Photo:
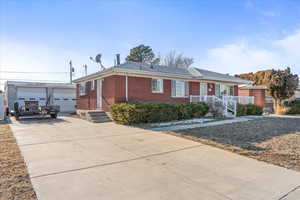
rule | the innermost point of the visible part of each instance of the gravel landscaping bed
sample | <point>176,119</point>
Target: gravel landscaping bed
<point>273,140</point>
<point>14,179</point>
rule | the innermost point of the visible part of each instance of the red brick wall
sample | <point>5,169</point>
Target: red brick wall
<point>139,89</point>
<point>87,101</point>
<point>244,92</point>
<point>194,88</point>
<point>235,90</point>
<point>108,92</point>
<point>259,96</point>
<point>120,89</point>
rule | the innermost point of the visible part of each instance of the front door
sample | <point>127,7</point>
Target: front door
<point>99,94</point>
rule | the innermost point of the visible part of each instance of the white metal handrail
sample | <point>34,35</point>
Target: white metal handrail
<point>240,99</point>
<point>229,104</point>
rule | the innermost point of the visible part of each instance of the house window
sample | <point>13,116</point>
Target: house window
<point>297,94</point>
<point>157,85</point>
<point>203,89</point>
<point>268,97</point>
<point>218,90</point>
<point>225,90</point>
<point>180,88</point>
<point>82,89</point>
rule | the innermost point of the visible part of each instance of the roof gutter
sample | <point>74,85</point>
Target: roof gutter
<point>127,72</point>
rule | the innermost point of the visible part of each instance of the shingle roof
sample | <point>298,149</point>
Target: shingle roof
<point>191,72</point>
<point>156,69</point>
<point>210,75</point>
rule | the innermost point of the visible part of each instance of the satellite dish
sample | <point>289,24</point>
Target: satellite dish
<point>98,58</point>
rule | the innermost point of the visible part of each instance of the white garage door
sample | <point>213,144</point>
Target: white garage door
<point>31,94</point>
<point>65,98</point>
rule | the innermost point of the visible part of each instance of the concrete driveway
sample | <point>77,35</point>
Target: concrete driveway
<point>70,158</point>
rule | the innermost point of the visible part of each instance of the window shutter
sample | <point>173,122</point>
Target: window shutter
<point>173,86</point>
<point>231,89</point>
<point>95,84</point>
<point>152,85</point>
<point>217,90</point>
<point>186,88</point>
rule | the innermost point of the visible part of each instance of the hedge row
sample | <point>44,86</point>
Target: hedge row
<point>293,107</point>
<point>249,109</point>
<point>145,112</point>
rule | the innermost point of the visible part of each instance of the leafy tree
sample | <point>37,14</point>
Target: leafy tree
<point>262,77</point>
<point>143,54</point>
<point>258,78</point>
<point>248,76</point>
<point>281,86</point>
<point>172,59</point>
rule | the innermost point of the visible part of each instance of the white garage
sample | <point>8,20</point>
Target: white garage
<point>65,98</point>
<point>62,94</point>
<point>38,94</point>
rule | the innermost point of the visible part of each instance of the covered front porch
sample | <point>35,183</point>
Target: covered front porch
<point>229,102</point>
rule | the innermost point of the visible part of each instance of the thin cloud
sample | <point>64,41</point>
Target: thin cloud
<point>245,56</point>
<point>269,13</point>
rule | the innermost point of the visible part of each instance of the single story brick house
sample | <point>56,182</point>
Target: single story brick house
<point>133,81</point>
<point>260,94</point>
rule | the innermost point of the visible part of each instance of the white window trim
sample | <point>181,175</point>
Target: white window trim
<point>184,92</point>
<point>297,94</point>
<point>162,85</point>
<point>206,88</point>
<point>92,84</point>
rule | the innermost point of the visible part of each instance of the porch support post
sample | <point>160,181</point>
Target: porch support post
<point>126,88</point>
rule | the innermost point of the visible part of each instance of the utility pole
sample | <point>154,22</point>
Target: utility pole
<point>85,69</point>
<point>71,71</point>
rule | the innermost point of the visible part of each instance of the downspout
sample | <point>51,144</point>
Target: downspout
<point>126,88</point>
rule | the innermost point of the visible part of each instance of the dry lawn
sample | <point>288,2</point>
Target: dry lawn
<point>14,179</point>
<point>275,140</point>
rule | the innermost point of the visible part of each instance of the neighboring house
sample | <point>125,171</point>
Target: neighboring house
<point>143,82</point>
<point>62,94</point>
<point>2,109</point>
<point>260,94</point>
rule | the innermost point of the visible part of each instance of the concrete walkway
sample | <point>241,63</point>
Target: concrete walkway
<point>69,158</point>
<point>197,125</point>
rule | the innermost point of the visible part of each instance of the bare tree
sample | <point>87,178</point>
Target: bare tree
<point>173,59</point>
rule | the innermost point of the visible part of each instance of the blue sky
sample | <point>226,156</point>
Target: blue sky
<point>225,36</point>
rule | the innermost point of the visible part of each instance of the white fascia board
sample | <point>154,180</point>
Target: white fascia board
<point>96,75</point>
<point>138,73</point>
<point>128,72</point>
<point>145,74</point>
<point>223,81</point>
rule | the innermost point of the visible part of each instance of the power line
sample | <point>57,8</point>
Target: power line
<point>19,72</point>
<point>4,79</point>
